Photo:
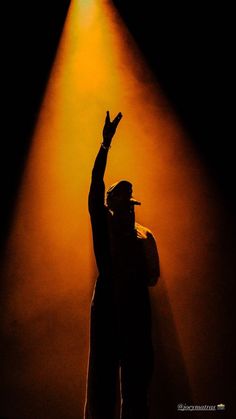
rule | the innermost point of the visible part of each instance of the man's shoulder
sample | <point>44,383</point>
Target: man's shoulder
<point>143,232</point>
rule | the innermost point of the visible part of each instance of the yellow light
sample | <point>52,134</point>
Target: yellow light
<point>50,264</point>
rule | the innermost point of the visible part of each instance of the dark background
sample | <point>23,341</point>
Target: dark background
<point>188,47</point>
<point>31,32</point>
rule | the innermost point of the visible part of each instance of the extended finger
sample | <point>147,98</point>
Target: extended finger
<point>117,119</point>
<point>107,120</point>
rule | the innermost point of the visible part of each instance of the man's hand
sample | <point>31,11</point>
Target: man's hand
<point>109,128</point>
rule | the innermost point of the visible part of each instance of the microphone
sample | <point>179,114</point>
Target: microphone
<point>134,202</point>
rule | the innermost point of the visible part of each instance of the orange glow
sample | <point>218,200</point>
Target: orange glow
<point>50,263</point>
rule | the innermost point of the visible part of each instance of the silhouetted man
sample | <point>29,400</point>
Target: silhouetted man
<point>120,327</point>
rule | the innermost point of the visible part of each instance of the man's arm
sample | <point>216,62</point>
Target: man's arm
<point>97,188</point>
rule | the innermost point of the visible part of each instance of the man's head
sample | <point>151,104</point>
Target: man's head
<point>119,198</point>
<point>119,195</point>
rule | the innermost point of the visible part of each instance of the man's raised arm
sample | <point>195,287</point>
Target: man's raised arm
<point>97,188</point>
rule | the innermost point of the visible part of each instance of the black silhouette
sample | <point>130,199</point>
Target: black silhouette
<point>127,261</point>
